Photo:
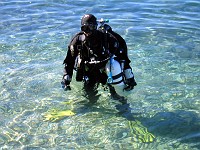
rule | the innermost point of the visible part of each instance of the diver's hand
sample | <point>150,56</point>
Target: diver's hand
<point>66,83</point>
<point>130,84</point>
<point>128,88</point>
<point>65,86</point>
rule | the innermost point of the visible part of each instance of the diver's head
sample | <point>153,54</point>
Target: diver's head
<point>88,23</point>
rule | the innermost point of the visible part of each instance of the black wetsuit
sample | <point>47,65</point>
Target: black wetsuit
<point>93,48</point>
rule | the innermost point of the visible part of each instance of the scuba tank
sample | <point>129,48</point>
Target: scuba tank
<point>114,69</point>
<point>115,75</point>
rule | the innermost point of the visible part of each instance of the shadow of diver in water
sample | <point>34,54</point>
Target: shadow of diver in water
<point>138,131</point>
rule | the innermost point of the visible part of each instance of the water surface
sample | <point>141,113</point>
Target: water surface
<point>163,38</point>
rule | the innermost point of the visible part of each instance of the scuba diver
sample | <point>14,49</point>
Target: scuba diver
<point>89,52</point>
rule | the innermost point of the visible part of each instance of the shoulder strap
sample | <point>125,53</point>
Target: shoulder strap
<point>105,36</point>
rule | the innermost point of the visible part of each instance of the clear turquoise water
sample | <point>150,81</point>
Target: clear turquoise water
<point>163,38</point>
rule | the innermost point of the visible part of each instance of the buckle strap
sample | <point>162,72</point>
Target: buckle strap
<point>117,76</point>
<point>97,62</point>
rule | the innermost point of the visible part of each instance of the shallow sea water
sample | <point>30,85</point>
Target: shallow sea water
<point>163,38</point>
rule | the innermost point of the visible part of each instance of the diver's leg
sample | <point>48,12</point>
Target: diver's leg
<point>116,96</point>
<point>91,92</point>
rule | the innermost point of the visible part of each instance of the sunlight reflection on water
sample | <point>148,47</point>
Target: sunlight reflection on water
<point>163,41</point>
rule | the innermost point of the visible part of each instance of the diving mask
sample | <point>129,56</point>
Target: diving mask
<point>88,27</point>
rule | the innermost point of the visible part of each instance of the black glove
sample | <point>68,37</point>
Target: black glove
<point>65,82</point>
<point>130,84</point>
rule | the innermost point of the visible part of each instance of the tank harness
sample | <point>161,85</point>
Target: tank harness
<point>81,64</point>
<point>111,78</point>
<point>89,61</point>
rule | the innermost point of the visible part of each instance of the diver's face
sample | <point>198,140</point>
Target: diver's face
<point>88,29</point>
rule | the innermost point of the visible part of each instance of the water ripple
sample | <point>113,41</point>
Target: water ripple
<point>163,41</point>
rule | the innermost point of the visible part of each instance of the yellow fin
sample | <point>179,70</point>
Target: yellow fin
<point>56,115</point>
<point>141,132</point>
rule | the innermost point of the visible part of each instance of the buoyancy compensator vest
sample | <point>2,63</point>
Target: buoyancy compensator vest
<point>92,55</point>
